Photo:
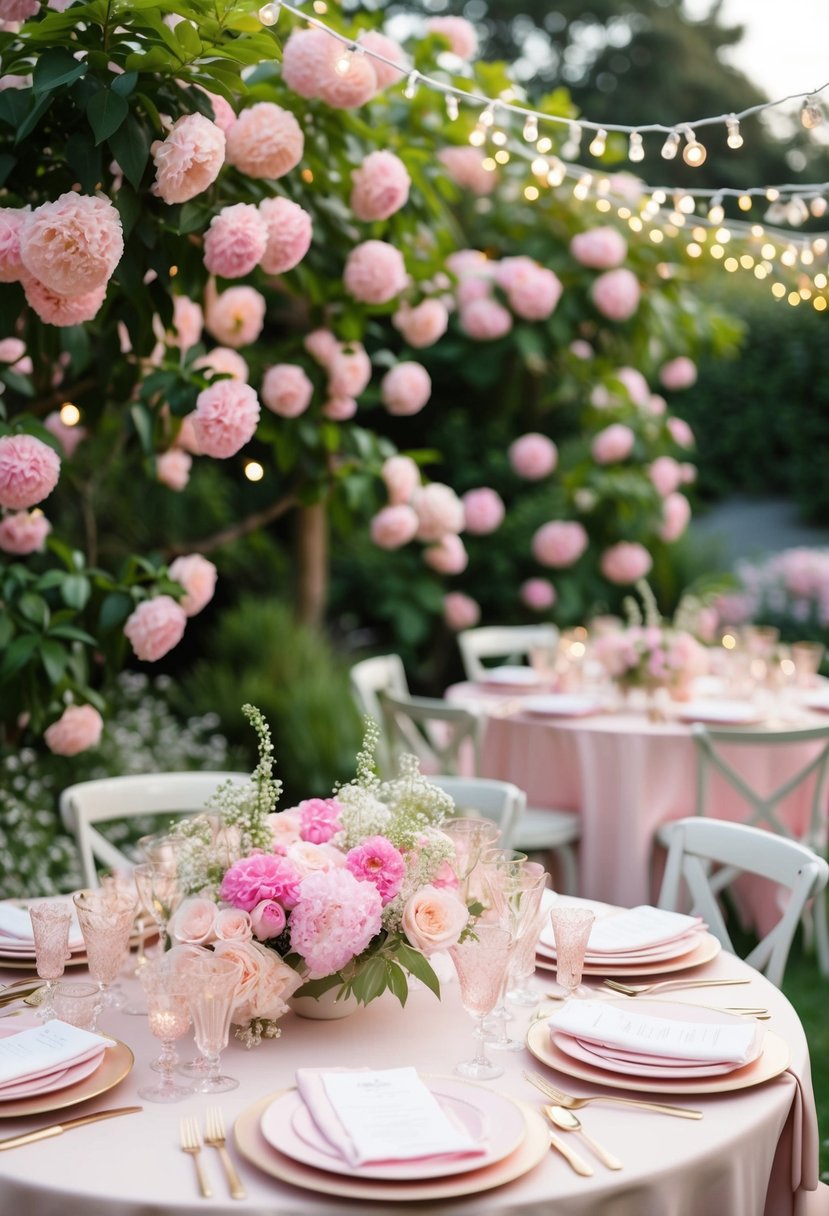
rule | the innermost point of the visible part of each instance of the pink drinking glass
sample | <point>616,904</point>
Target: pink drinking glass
<point>470,838</point>
<point>50,927</point>
<point>571,931</point>
<point>211,984</point>
<point>106,922</point>
<point>481,963</point>
<point>169,1019</point>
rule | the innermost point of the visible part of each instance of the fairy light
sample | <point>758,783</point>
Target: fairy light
<point>452,107</point>
<point>253,470</point>
<point>817,206</point>
<point>269,13</point>
<point>636,150</point>
<point>540,167</point>
<point>820,245</point>
<point>502,156</point>
<point>733,137</point>
<point>686,204</point>
<point>716,212</point>
<point>819,303</point>
<point>778,290</point>
<point>531,193</point>
<point>694,153</point>
<point>744,202</point>
<point>671,146</point>
<point>811,115</point>
<point>489,163</point>
<point>772,194</point>
<point>794,298</point>
<point>499,138</point>
<point>723,235</point>
<point>70,415</point>
<point>342,65</point>
<point>530,132</point>
<point>694,250</point>
<point>544,145</point>
<point>411,85</point>
<point>582,187</point>
<point>557,172</point>
<point>487,116</point>
<point>572,146</point>
<point>604,204</point>
<point>731,264</point>
<point>598,143</point>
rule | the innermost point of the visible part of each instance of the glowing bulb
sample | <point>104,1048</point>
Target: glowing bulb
<point>269,13</point>
<point>540,166</point>
<point>694,250</point>
<point>452,107</point>
<point>253,470</point>
<point>570,149</point>
<point>502,156</point>
<point>778,290</point>
<point>530,132</point>
<point>744,202</point>
<point>531,193</point>
<point>70,415</point>
<point>477,137</point>
<point>499,138</point>
<point>598,143</point>
<point>342,65</point>
<point>544,145</point>
<point>694,152</point>
<point>686,204</point>
<point>557,172</point>
<point>811,114</point>
<point>716,213</point>
<point>489,164</point>
<point>820,303</point>
<point>487,117</point>
<point>772,194</point>
<point>582,186</point>
<point>671,146</point>
<point>817,206</point>
<point>636,151</point>
<point>731,264</point>
<point>732,125</point>
<point>411,85</point>
<point>796,211</point>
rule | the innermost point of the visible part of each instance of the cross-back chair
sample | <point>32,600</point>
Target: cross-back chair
<point>505,642</point>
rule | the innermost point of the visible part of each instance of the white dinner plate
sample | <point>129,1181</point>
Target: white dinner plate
<point>512,677</point>
<point>723,713</point>
<point>561,705</point>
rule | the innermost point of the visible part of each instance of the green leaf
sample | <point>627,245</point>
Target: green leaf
<point>124,84</point>
<point>397,982</point>
<point>14,106</point>
<point>71,634</point>
<point>84,159</point>
<point>7,163</point>
<point>18,654</point>
<point>33,118</point>
<point>371,980</point>
<point>418,966</point>
<point>189,40</point>
<point>130,145</point>
<point>115,609</point>
<point>76,590</point>
<point>54,658</point>
<point>106,112</point>
<point>56,67</point>
<point>6,631</point>
<point>34,608</point>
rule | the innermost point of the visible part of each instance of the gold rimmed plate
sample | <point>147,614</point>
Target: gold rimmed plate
<point>706,949</point>
<point>115,1066</point>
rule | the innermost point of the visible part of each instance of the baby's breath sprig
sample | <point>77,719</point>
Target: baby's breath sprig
<point>247,807</point>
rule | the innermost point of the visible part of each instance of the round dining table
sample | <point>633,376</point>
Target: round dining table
<point>753,1153</point>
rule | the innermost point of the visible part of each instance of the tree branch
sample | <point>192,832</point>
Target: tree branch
<point>243,528</point>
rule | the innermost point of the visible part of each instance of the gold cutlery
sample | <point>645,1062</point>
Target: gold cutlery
<point>214,1135</point>
<point>191,1143</point>
<point>562,1099</point>
<point>568,1122</point>
<point>575,1162</point>
<point>56,1129</point>
<point>642,989</point>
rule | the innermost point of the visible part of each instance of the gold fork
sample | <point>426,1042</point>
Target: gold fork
<point>191,1143</point>
<point>214,1135</point>
<point>563,1099</point>
<point>642,989</point>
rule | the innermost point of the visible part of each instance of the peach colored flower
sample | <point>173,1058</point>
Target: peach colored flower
<point>307,857</point>
<point>433,919</point>
<point>172,468</point>
<point>266,141</point>
<point>483,510</point>
<point>680,432</point>
<point>349,89</point>
<point>155,627</point>
<point>287,390</point>
<point>613,444</point>
<point>18,10</point>
<point>405,388</point>
<point>79,727</point>
<point>11,223</point>
<point>29,471</point>
<point>439,510</point>
<point>472,288</point>
<point>689,473</point>
<point>24,532</point>
<point>266,982</point>
<point>448,556</point>
<point>289,231</point>
<point>460,611</point>
<point>233,925</point>
<point>349,370</point>
<point>657,405</point>
<point>460,33</point>
<point>224,115</point>
<point>193,921</point>
<point>394,526</point>
<point>374,272</point>
<point>665,474</point>
<point>533,456</point>
<point>559,543</point>
<point>616,294</point>
<point>226,417</point>
<point>221,360</point>
<point>485,320</point>
<point>581,349</point>
<point>306,59</point>
<point>285,828</point>
<point>61,310</point>
<point>402,478</point>
<point>323,346</point>
<point>67,436</point>
<point>423,325</point>
<point>599,248</point>
<point>188,322</point>
<point>465,167</point>
<point>625,562</point>
<point>339,409</point>
<point>678,373</point>
<point>189,159</point>
<point>198,578</point>
<point>676,515</point>
<point>187,437</point>
<point>235,241</point>
<point>637,386</point>
<point>373,40</point>
<point>380,186</point>
<point>72,245</point>
<point>234,317</point>
<point>539,594</point>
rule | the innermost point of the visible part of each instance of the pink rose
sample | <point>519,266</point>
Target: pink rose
<point>616,294</point>
<point>635,384</point>
<point>433,919</point>
<point>155,627</point>
<point>319,819</point>
<point>314,65</point>
<point>266,920</point>
<point>376,860</point>
<point>286,390</point>
<point>172,468</point>
<point>405,388</point>
<point>539,594</point>
<point>448,556</point>
<point>465,166</point>
<point>666,475</point>
<point>559,543</point>
<point>12,350</point>
<point>460,34</point>
<point>72,245</point>
<point>350,88</point>
<point>222,361</point>
<point>423,325</point>
<point>235,242</point>
<point>402,478</point>
<point>198,578</point>
<point>535,294</point>
<point>289,230</point>
<point>29,471</point>
<point>439,510</point>
<point>613,444</point>
<point>485,320</point>
<point>335,919</point>
<point>374,272</point>
<point>339,409</point>
<point>380,187</point>
<point>188,321</point>
<point>78,728</point>
<point>688,472</point>
<point>24,532</point>
<point>322,346</point>
<point>533,456</point>
<point>67,436</point>
<point>193,921</point>
<point>625,562</point>
<point>676,515</point>
<point>58,310</point>
<point>234,925</point>
<point>483,510</point>
<point>394,526</point>
<point>678,373</point>
<point>306,58</point>
<point>581,349</point>
<point>460,611</point>
<point>309,858</point>
<point>284,827</point>
<point>234,317</point>
<point>386,74</point>
<point>349,370</point>
<point>266,982</point>
<point>224,115</point>
<point>680,432</point>
<point>657,406</point>
<point>265,141</point>
<point>599,248</point>
<point>11,223</point>
<point>189,159</point>
<point>226,417</point>
<point>260,876</point>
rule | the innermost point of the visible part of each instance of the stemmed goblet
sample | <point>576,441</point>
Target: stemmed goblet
<point>481,961</point>
<point>169,1020</point>
<point>571,931</point>
<point>470,838</point>
<point>50,927</point>
<point>159,890</point>
<point>531,922</point>
<point>106,923</point>
<point>211,984</point>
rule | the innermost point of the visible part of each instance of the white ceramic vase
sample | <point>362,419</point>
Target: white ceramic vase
<point>323,1008</point>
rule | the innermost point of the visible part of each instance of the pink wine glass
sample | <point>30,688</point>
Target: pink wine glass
<point>169,1019</point>
<point>571,931</point>
<point>481,963</point>
<point>50,927</point>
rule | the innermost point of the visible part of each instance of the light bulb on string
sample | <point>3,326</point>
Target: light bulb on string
<point>733,138</point>
<point>582,186</point>
<point>342,64</point>
<point>817,206</point>
<point>487,116</point>
<point>544,145</point>
<point>411,85</point>
<point>571,147</point>
<point>269,13</point>
<point>694,153</point>
<point>636,151</point>
<point>671,146</point>
<point>744,202</point>
<point>796,211</point>
<point>530,131</point>
<point>811,115</point>
<point>598,143</point>
<point>557,172</point>
<point>452,107</point>
<point>772,194</point>
<point>716,212</point>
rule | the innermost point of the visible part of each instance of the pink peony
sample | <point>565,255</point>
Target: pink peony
<point>335,919</point>
<point>284,827</point>
<point>472,288</point>
<point>286,390</point>
<point>375,860</point>
<point>339,409</point>
<point>188,321</point>
<point>353,87</point>
<point>405,388</point>
<point>599,248</point>
<point>465,166</point>
<point>155,627</point>
<point>559,543</point>
<point>78,728</point>
<point>423,325</point>
<point>616,294</point>
<point>460,33</point>
<point>198,578</point>
<point>60,310</point>
<point>448,556</point>
<point>267,920</point>
<point>464,262</point>
<point>235,241</point>
<point>635,384</point>
<point>221,360</point>
<point>349,370</point>
<point>189,159</point>
<point>224,115</point>
<point>380,187</point>
<point>67,436</point>
<point>265,141</point>
<point>260,876</point>
<point>308,857</point>
<point>581,349</point>
<point>433,919</point>
<point>657,405</point>
<point>676,515</point>
<point>319,819</point>
<point>24,532</point>
<point>534,294</point>
<point>226,417</point>
<point>460,611</point>
<point>625,562</point>
<point>688,472</point>
<point>483,510</point>
<point>439,510</point>
<point>373,40</point>
<point>289,229</point>
<point>402,478</point>
<point>12,350</point>
<point>172,468</point>
<point>192,922</point>
<point>679,373</point>
<point>613,444</point>
<point>666,475</point>
<point>680,432</point>
<point>306,58</point>
<point>236,316</point>
<point>485,320</point>
<point>29,471</point>
<point>374,272</point>
<point>394,526</point>
<point>18,10</point>
<point>533,456</point>
<point>186,437</point>
<point>11,223</point>
<point>72,245</point>
<point>323,346</point>
<point>539,594</point>
<point>266,982</point>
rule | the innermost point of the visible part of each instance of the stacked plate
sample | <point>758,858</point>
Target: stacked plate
<point>17,946</point>
<point>561,705</point>
<point>512,678</point>
<point>721,713</point>
<point>47,1066</point>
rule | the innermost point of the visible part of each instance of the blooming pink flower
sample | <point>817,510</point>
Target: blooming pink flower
<point>460,33</point>
<point>193,920</point>
<point>221,360</point>
<point>60,310</point>
<point>423,325</point>
<point>267,920</point>
<point>374,272</point>
<point>402,478</point>
<point>485,320</point>
<point>581,349</point>
<point>189,159</point>
<point>335,919</point>
<point>225,418</point>
<point>235,241</point>
<point>260,876</point>
<point>676,515</point>
<point>233,925</point>
<point>680,432</point>
<point>29,471</point>
<point>289,229</point>
<point>172,468</point>
<point>483,510</point>
<point>380,186</point>
<point>559,543</point>
<point>24,532</point>
<point>464,262</point>
<point>198,578</point>
<point>377,861</point>
<point>373,40</point>
<point>286,390</point>
<point>349,370</point>
<point>533,456</point>
<point>72,245</point>
<point>625,562</point>
<point>224,115</point>
<point>535,293</point>
<point>439,510</point>
<point>306,58</point>
<point>666,475</point>
<point>78,728</point>
<point>18,10</point>
<point>188,321</point>
<point>319,819</point>
<point>465,166</point>
<point>448,556</point>
<point>348,89</point>
<point>308,857</point>
<point>689,473</point>
<point>406,388</point>
<point>471,288</point>
<point>12,350</point>
<point>434,918</point>
<point>339,409</point>
<point>284,827</point>
<point>460,611</point>
<point>67,436</point>
<point>323,346</point>
<point>394,526</point>
<point>657,405</point>
<point>265,141</point>
<point>678,373</point>
<point>187,437</point>
<point>599,248</point>
<point>635,384</point>
<point>616,294</point>
<point>11,223</point>
<point>266,982</point>
<point>155,627</point>
<point>613,444</point>
<point>234,317</point>
<point>538,594</point>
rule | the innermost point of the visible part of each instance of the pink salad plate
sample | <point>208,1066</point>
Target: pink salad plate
<point>705,948</point>
<point>561,705</point>
<point>113,1065</point>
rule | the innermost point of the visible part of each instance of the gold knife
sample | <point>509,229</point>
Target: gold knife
<point>573,1159</point>
<point>55,1129</point>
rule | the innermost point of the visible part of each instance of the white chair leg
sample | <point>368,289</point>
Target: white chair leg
<point>821,932</point>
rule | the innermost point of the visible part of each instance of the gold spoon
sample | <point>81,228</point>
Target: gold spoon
<point>568,1122</point>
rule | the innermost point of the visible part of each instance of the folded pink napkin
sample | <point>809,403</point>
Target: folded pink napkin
<point>42,1050</point>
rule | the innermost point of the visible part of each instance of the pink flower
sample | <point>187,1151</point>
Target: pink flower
<point>11,223</point>
<point>448,556</point>
<point>155,627</point>
<point>309,857</point>
<point>599,248</point>
<point>402,478</point>
<point>423,325</point>
<point>538,594</point>
<point>534,294</point>
<point>533,456</point>
<point>60,310</point>
<point>625,562</point>
<point>689,473</point>
<point>284,827</point>
<point>198,578</point>
<point>266,982</point>
<point>559,543</point>
<point>289,230</point>
<point>29,471</point>
<point>406,388</point>
<point>226,417</point>
<point>485,320</point>
<point>377,861</point>
<point>335,919</point>
<point>78,728</point>
<point>224,115</point>
<point>18,10</point>
<point>236,316</point>
<point>267,920</point>
<point>233,925</point>
<point>265,141</point>
<point>613,444</point>
<point>72,245</point>
<point>680,432</point>
<point>581,349</point>
<point>439,510</point>
<point>394,526</point>
<point>635,384</point>
<point>380,186</point>
<point>666,475</point>
<point>189,159</point>
<point>172,468</point>
<point>374,272</point>
<point>67,436</point>
<point>319,819</point>
<point>465,262</point>
<point>12,350</point>
<point>465,166</point>
<point>339,409</point>
<point>235,241</point>
<point>433,919</point>
<point>483,510</point>
<point>221,360</point>
<point>678,373</point>
<point>188,321</point>
<point>460,33</point>
<point>353,87</point>
<point>460,611</point>
<point>657,405</point>
<point>323,346</point>
<point>286,390</point>
<point>306,58</point>
<point>24,532</point>
<point>349,370</point>
<point>676,515</point>
<point>186,437</point>
<point>616,294</point>
<point>373,40</point>
<point>260,876</point>
<point>192,922</point>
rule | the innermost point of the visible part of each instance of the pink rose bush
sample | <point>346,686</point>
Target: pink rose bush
<point>155,627</point>
<point>379,187</point>
<point>461,35</point>
<point>198,578</point>
<point>533,456</point>
<point>599,248</point>
<point>287,390</point>
<point>616,294</point>
<point>676,515</point>
<point>402,477</point>
<point>288,232</point>
<point>72,246</point>
<point>678,374</point>
<point>189,159</point>
<point>405,388</point>
<point>613,444</point>
<point>460,611</point>
<point>266,141</point>
<point>29,471</point>
<point>394,526</point>
<point>24,532</point>
<point>539,594</point>
<point>625,562</point>
<point>483,511</point>
<point>559,543</point>
<point>225,418</point>
<point>235,242</point>
<point>172,468</point>
<point>423,325</point>
<point>448,556</point>
<point>375,272</point>
<point>234,317</point>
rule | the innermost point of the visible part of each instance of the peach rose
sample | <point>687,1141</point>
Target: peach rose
<point>266,982</point>
<point>198,578</point>
<point>193,922</point>
<point>172,468</point>
<point>433,919</point>
<point>266,141</point>
<point>284,827</point>
<point>78,728</point>
<point>308,857</point>
<point>233,925</point>
<point>189,159</point>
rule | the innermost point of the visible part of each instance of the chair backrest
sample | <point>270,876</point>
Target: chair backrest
<point>504,642</point>
<point>444,737</point>
<point>697,845</point>
<point>91,802</point>
<point>500,801</point>
<point>370,677</point>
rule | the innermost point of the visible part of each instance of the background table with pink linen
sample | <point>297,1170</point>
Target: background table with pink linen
<point>749,1156</point>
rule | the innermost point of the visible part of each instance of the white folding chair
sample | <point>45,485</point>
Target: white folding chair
<point>91,802</point>
<point>370,677</point>
<point>500,801</point>
<point>505,642</point>
<point>697,845</point>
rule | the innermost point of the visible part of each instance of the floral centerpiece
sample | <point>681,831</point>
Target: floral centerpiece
<point>353,892</point>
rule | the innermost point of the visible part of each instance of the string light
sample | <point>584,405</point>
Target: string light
<point>253,470</point>
<point>411,85</point>
<point>530,131</point>
<point>734,139</point>
<point>572,146</point>
<point>70,415</point>
<point>269,13</point>
<point>598,143</point>
<point>342,65</point>
<point>694,152</point>
<point>452,107</point>
<point>671,146</point>
<point>636,150</point>
<point>811,114</point>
